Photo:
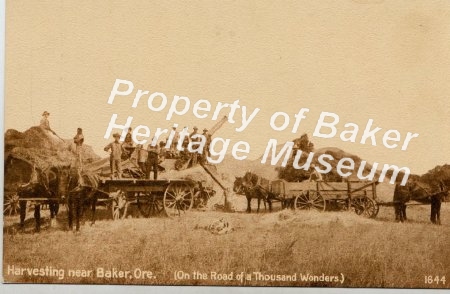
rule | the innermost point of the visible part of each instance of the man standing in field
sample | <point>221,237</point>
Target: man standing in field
<point>402,194</point>
<point>115,156</point>
<point>153,160</point>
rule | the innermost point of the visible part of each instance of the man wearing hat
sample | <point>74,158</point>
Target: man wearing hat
<point>315,175</point>
<point>142,157</point>
<point>128,146</point>
<point>206,152</point>
<point>194,155</point>
<point>45,124</point>
<point>115,156</point>
<point>153,160</point>
<point>173,146</point>
<point>79,140</point>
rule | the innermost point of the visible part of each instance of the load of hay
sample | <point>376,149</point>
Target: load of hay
<point>34,148</point>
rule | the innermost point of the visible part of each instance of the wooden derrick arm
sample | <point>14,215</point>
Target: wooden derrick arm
<point>225,190</point>
<point>218,125</point>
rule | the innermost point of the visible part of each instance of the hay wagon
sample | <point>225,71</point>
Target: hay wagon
<point>321,195</point>
<point>152,197</point>
<point>170,196</point>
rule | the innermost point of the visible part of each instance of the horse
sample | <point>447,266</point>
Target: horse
<point>43,184</point>
<point>81,188</point>
<point>250,186</point>
<point>421,192</point>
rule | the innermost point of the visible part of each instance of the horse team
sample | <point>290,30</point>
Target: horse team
<point>63,184</point>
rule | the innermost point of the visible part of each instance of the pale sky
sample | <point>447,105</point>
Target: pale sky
<point>386,61</point>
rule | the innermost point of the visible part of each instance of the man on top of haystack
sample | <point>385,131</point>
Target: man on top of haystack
<point>79,140</point>
<point>45,125</point>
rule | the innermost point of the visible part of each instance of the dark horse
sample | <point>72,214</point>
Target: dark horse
<point>46,184</point>
<point>252,186</point>
<point>81,188</point>
<point>421,192</point>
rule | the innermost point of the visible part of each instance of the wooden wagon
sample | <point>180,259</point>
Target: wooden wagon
<point>152,197</point>
<point>359,196</point>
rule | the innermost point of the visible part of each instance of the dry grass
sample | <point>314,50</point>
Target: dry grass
<point>369,253</point>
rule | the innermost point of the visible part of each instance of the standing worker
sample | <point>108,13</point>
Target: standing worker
<point>206,151</point>
<point>315,175</point>
<point>173,146</point>
<point>128,146</point>
<point>79,140</point>
<point>194,155</point>
<point>153,160</point>
<point>115,157</point>
<point>142,158</point>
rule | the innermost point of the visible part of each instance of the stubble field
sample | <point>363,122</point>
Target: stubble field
<point>304,248</point>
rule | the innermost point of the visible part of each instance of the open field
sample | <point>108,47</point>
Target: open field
<point>367,252</point>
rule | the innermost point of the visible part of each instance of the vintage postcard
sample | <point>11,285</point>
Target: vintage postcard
<point>228,143</point>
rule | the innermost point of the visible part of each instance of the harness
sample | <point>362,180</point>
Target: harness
<point>80,184</point>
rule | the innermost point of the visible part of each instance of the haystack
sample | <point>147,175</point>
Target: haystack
<point>34,148</point>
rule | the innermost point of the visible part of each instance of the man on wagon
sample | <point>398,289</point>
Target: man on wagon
<point>128,146</point>
<point>206,151</point>
<point>115,156</point>
<point>194,155</point>
<point>315,175</point>
<point>173,146</point>
<point>79,140</point>
<point>153,160</point>
<point>142,158</point>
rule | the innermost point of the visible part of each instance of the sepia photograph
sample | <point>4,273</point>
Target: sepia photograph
<point>301,144</point>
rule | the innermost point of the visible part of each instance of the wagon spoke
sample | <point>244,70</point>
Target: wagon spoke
<point>119,207</point>
<point>11,204</point>
<point>310,200</point>
<point>186,194</point>
<point>171,203</point>
<point>171,195</point>
<point>183,205</point>
<point>365,206</point>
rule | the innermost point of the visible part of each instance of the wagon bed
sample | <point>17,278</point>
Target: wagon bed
<point>320,195</point>
<point>172,196</point>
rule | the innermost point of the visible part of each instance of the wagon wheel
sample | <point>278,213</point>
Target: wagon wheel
<point>11,205</point>
<point>178,198</point>
<point>310,199</point>
<point>365,206</point>
<point>119,206</point>
<point>149,205</point>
